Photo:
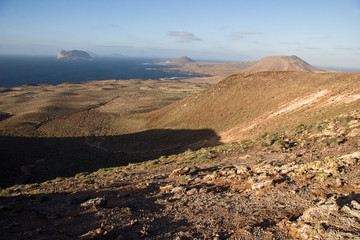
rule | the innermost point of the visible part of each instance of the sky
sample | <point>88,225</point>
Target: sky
<point>322,32</point>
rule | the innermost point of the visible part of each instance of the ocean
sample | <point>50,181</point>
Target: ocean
<point>20,70</point>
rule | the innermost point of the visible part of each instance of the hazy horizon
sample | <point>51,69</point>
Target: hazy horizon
<point>323,33</point>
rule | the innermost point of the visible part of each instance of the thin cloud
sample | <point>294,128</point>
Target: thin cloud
<point>183,36</point>
<point>114,46</point>
<point>114,25</point>
<point>107,26</point>
<point>240,35</point>
<point>289,43</point>
<point>345,48</point>
<point>310,48</point>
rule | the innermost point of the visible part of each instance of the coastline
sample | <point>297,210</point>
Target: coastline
<point>28,70</point>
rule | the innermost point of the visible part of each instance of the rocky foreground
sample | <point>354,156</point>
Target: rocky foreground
<point>300,184</point>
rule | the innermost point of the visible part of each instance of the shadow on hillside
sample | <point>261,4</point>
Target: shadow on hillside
<point>4,116</point>
<point>60,215</point>
<point>27,160</point>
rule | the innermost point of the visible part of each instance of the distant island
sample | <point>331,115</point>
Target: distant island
<point>178,61</point>
<point>73,55</point>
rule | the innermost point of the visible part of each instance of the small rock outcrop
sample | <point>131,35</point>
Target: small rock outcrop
<point>179,172</point>
<point>95,202</point>
<point>73,55</point>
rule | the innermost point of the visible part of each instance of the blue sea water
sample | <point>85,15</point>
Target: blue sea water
<point>20,70</point>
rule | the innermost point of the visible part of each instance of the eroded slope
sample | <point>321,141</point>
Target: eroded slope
<point>245,105</point>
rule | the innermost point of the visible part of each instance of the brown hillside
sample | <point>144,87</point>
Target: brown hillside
<point>303,184</point>
<point>281,63</point>
<point>247,104</point>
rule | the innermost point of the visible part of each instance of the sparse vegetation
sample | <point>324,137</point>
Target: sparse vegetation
<point>269,102</point>
<point>95,167</point>
<point>292,175</point>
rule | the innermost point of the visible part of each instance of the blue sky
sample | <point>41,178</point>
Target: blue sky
<point>322,32</point>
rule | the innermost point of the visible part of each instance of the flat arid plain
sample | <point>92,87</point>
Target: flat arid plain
<point>255,150</point>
